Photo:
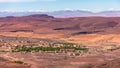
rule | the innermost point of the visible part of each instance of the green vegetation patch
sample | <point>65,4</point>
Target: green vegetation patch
<point>37,49</point>
<point>75,48</point>
<point>64,46</point>
<point>17,62</point>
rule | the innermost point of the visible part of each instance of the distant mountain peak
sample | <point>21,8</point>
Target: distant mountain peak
<point>41,16</point>
<point>64,13</point>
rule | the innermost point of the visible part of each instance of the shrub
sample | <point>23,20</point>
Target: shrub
<point>18,62</point>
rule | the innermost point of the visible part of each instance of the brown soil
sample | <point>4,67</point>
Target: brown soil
<point>93,32</point>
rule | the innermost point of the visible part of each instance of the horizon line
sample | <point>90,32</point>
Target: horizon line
<point>55,10</point>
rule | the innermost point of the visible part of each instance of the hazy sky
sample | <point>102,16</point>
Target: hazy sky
<point>52,5</point>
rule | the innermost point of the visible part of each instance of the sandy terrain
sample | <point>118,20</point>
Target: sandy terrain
<point>101,35</point>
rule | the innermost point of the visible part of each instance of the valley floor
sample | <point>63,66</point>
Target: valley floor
<point>105,56</point>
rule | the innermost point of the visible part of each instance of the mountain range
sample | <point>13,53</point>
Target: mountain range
<point>64,13</point>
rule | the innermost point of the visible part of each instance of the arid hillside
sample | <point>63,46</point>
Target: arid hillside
<point>73,26</point>
<point>42,41</point>
<point>91,30</point>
